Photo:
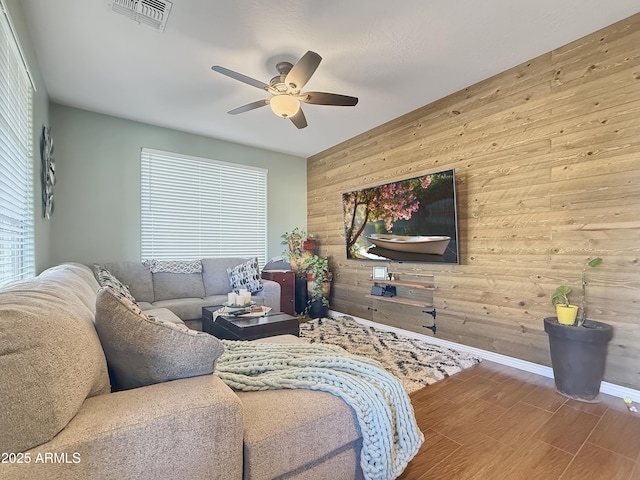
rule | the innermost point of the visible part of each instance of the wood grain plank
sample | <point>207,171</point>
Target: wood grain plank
<point>443,409</point>
<point>547,177</point>
<point>596,462</point>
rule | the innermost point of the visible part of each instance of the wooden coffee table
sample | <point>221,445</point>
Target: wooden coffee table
<point>231,327</point>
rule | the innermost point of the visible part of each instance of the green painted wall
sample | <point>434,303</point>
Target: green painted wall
<point>97,194</point>
<point>42,227</point>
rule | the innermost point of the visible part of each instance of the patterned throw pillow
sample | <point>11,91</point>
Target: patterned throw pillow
<point>175,266</point>
<point>246,275</point>
<point>143,350</point>
<point>107,279</point>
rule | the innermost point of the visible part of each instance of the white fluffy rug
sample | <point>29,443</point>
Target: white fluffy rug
<point>414,362</point>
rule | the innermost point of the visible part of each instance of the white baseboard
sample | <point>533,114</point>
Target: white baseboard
<point>605,387</point>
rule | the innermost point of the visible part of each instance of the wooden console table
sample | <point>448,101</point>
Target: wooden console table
<point>287,281</point>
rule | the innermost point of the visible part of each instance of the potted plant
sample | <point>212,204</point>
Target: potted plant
<point>578,348</point>
<point>318,285</point>
<point>309,244</point>
<point>293,241</point>
<point>566,312</point>
<point>295,252</point>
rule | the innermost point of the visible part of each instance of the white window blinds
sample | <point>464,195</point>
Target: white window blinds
<point>16,178</point>
<point>195,207</point>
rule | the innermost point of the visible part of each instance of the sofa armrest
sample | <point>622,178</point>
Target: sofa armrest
<point>271,294</point>
<point>190,428</point>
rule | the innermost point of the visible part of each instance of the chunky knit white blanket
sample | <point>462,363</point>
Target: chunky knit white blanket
<point>390,435</point>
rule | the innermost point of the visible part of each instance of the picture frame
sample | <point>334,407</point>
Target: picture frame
<point>380,273</point>
<point>48,172</point>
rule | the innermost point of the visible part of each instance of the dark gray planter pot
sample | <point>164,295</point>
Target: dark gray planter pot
<point>317,309</point>
<point>578,356</point>
<point>301,294</point>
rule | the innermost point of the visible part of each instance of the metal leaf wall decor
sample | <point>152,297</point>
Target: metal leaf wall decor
<point>48,172</point>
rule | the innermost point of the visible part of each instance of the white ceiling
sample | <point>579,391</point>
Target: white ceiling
<point>395,56</point>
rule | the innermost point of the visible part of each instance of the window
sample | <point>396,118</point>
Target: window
<point>16,178</point>
<point>194,207</point>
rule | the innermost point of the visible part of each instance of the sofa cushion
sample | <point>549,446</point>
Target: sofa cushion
<point>215,276</point>
<point>144,306</point>
<point>168,286</point>
<point>143,350</point>
<point>51,359</point>
<point>82,283</point>
<point>245,276</point>
<point>163,314</point>
<point>175,266</point>
<point>185,308</point>
<point>136,276</point>
<point>301,427</point>
<point>108,279</point>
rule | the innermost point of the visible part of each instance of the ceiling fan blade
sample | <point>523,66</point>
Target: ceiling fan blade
<point>249,106</point>
<point>238,76</point>
<point>301,72</point>
<point>323,98</point>
<point>299,120</point>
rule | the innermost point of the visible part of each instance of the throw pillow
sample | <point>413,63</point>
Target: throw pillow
<point>246,275</point>
<point>107,279</point>
<point>175,266</point>
<point>143,350</point>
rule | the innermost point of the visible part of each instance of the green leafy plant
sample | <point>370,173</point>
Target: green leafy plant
<point>560,295</point>
<point>317,269</point>
<point>295,252</point>
<point>293,240</point>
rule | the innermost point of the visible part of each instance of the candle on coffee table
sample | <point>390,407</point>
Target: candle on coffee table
<point>242,296</point>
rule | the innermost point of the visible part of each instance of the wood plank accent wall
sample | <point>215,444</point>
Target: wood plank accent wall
<point>547,161</point>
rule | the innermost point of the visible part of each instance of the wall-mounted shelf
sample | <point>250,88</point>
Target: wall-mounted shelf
<point>405,296</point>
<point>408,303</point>
<point>402,300</point>
<point>402,283</point>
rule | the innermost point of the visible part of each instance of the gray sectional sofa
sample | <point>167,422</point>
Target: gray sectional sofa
<point>186,293</point>
<point>60,418</point>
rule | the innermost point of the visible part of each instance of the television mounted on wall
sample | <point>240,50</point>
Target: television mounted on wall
<point>410,220</point>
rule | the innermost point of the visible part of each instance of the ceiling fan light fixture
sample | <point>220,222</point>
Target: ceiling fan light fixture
<point>285,105</point>
<point>285,89</point>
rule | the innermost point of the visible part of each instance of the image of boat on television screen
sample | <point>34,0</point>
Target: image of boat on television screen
<point>433,245</point>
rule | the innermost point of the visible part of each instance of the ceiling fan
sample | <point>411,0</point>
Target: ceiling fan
<point>285,90</point>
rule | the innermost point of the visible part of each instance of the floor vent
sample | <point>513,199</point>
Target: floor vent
<point>153,13</point>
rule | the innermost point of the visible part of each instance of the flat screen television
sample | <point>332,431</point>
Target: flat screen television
<point>411,220</point>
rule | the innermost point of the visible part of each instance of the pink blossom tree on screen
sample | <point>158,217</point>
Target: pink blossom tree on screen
<point>388,203</point>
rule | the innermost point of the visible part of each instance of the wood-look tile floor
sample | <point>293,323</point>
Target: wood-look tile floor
<point>492,422</point>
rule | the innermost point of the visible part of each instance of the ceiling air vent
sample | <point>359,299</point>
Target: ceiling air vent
<point>150,12</point>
